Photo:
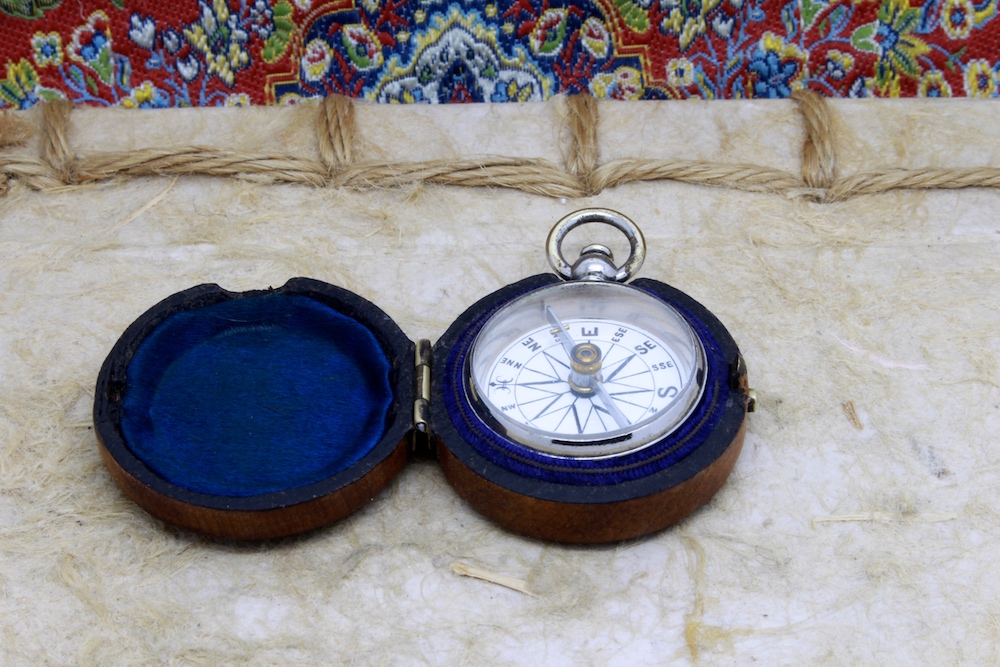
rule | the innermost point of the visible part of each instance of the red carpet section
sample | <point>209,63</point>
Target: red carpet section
<point>238,52</point>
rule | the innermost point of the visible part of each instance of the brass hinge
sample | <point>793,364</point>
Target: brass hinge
<point>422,375</point>
<point>738,380</point>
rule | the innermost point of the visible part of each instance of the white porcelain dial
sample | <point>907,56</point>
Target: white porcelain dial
<point>587,369</point>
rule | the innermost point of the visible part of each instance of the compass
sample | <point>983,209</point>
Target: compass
<point>587,369</point>
<point>576,407</point>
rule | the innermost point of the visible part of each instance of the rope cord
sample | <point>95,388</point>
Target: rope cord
<point>582,174</point>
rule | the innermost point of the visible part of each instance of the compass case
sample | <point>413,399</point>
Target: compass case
<point>262,414</point>
<point>588,499</point>
<point>256,414</point>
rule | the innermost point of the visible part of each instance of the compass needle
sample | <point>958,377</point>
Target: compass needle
<point>576,415</point>
<point>619,369</point>
<point>634,391</point>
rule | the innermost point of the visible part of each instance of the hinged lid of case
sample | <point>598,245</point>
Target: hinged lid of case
<point>257,414</point>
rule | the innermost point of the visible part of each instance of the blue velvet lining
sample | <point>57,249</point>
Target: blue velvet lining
<point>526,462</point>
<point>255,395</point>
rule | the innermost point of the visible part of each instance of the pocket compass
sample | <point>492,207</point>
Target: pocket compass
<point>579,408</point>
<point>589,367</point>
<point>567,406</point>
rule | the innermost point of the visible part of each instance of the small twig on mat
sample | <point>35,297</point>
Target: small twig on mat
<point>145,207</point>
<point>852,415</point>
<point>886,517</point>
<point>507,581</point>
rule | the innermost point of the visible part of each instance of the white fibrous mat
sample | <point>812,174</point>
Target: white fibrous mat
<point>859,526</point>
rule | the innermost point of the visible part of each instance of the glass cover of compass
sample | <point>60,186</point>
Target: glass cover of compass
<point>587,369</point>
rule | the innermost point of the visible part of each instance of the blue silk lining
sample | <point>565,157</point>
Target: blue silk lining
<point>255,395</point>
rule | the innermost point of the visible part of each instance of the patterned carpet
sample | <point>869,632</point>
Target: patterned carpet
<point>240,52</point>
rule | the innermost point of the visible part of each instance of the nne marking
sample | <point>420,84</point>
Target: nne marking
<point>509,362</point>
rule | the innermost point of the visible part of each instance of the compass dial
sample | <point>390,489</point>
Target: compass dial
<point>587,370</point>
<point>532,378</point>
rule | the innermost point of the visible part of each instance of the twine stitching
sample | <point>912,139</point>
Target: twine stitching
<point>581,119</point>
<point>581,175</point>
<point>56,152</point>
<point>336,132</point>
<point>818,158</point>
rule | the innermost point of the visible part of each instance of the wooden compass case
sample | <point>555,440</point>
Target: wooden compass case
<point>267,413</point>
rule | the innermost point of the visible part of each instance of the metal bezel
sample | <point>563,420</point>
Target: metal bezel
<point>611,443</point>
